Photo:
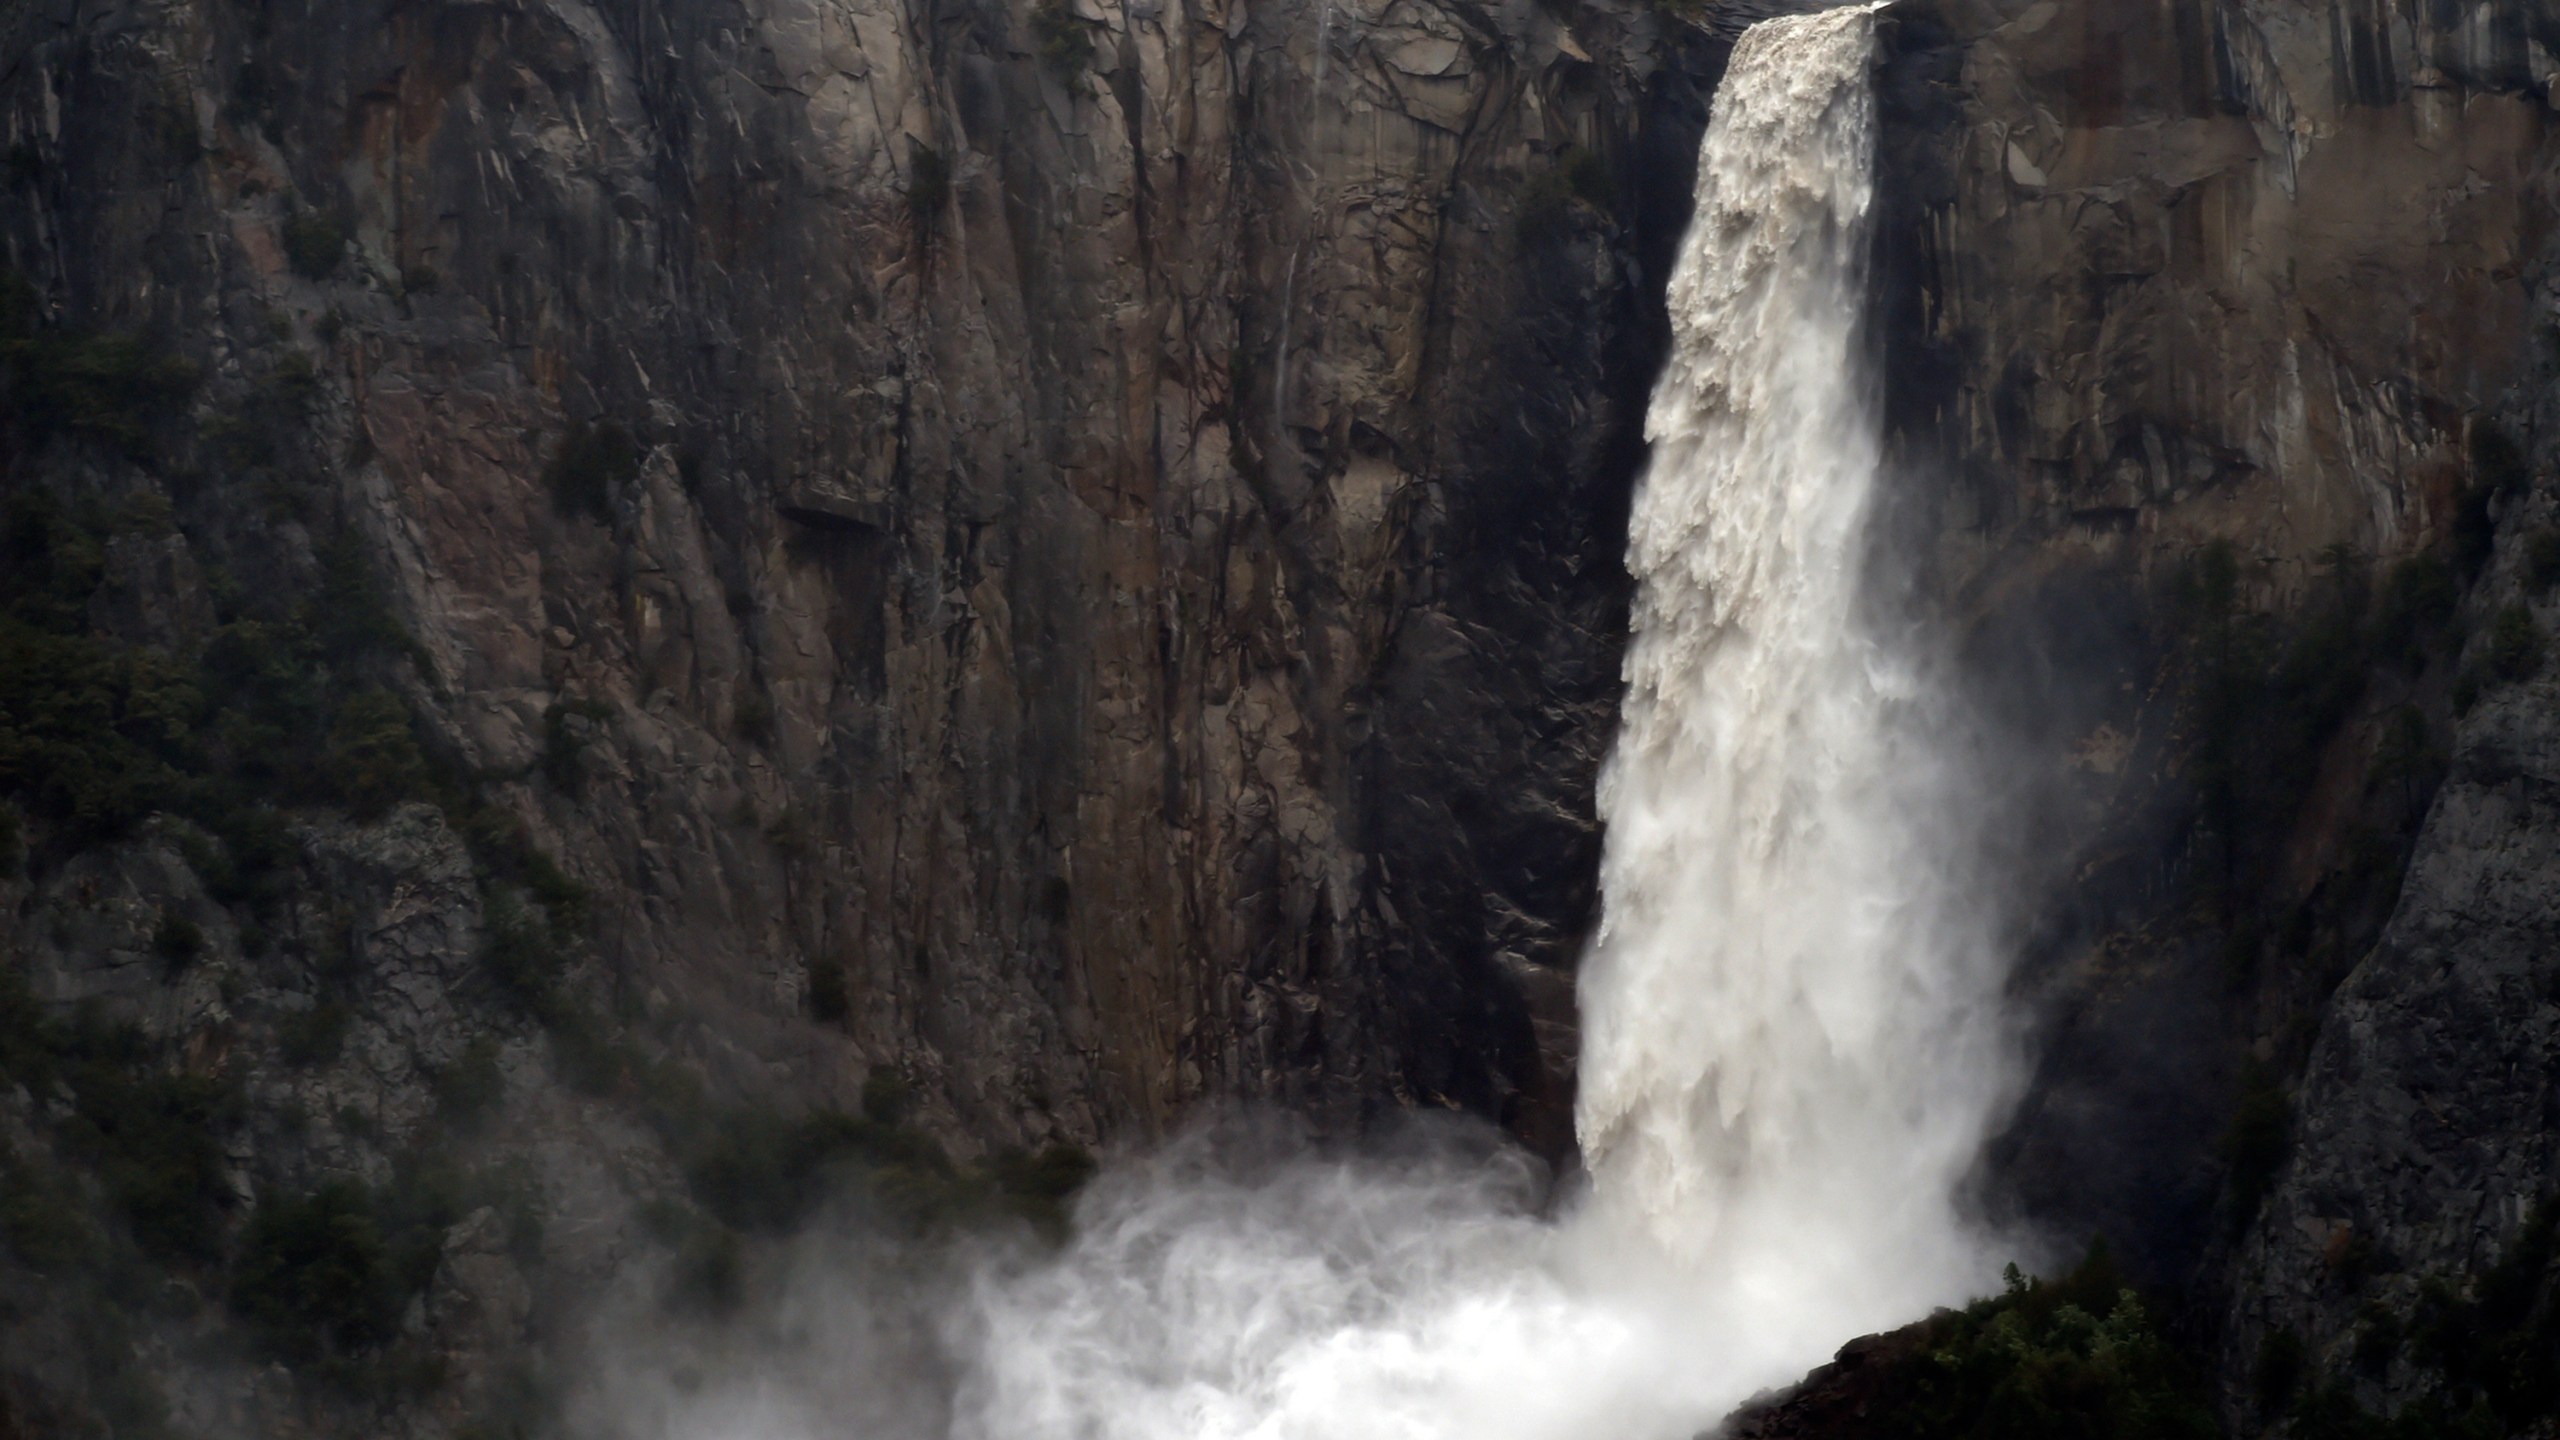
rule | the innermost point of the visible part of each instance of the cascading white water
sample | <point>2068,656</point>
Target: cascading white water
<point>1790,1052</point>
<point>1790,1048</point>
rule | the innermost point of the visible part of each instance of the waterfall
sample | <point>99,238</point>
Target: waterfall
<point>1791,1049</point>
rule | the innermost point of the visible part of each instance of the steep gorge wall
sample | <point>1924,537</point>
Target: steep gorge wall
<point>1001,572</point>
<point>2247,281</point>
<point>2221,368</point>
<point>1120,559</point>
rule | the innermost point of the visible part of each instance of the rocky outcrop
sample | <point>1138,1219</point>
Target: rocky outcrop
<point>334,1035</point>
<point>2422,1134</point>
<point>2194,279</point>
<point>2242,278</point>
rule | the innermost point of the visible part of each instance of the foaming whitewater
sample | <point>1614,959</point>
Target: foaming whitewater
<point>1791,1051</point>
<point>1790,1043</point>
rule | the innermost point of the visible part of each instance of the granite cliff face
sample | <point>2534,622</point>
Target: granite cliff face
<point>1014,569</point>
<point>2209,323</point>
<point>2221,364</point>
<point>1099,524</point>
<point>2222,368</point>
<point>2404,1254</point>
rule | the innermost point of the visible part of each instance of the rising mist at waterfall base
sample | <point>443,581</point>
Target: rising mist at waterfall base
<point>1243,1280</point>
<point>1792,1045</point>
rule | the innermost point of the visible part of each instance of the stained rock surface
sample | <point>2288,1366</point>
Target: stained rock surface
<point>987,573</point>
<point>1096,522</point>
<point>2250,280</point>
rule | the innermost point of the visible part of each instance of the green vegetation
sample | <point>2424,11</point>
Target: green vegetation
<point>2490,1353</point>
<point>2276,1375</point>
<point>314,1037</point>
<point>2265,704</point>
<point>886,1097</point>
<point>147,1133</point>
<point>471,1089</point>
<point>291,701</point>
<point>507,856</point>
<point>829,999</point>
<point>2257,1140</point>
<point>593,461</point>
<point>173,122</point>
<point>89,731</point>
<point>296,700</point>
<point>2262,703</point>
<point>1063,42</point>
<point>2541,561</point>
<point>1547,198</point>
<point>928,183</point>
<point>42,1219</point>
<point>315,1274</point>
<point>177,940</point>
<point>253,436</point>
<point>564,741</point>
<point>2498,468</point>
<point>757,1173</point>
<point>254,96</point>
<point>791,835</point>
<point>96,735</point>
<point>2078,1358</point>
<point>595,1058</point>
<point>1040,1185</point>
<point>2406,755</point>
<point>1587,174</point>
<point>751,1171</point>
<point>2513,650</point>
<point>2331,1412</point>
<point>322,1277</point>
<point>150,1136</point>
<point>372,755</point>
<point>2418,601</point>
<point>2500,1345</point>
<point>107,387</point>
<point>314,243</point>
<point>521,956</point>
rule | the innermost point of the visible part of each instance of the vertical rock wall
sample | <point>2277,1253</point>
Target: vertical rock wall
<point>1120,550</point>
<point>2249,276</point>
